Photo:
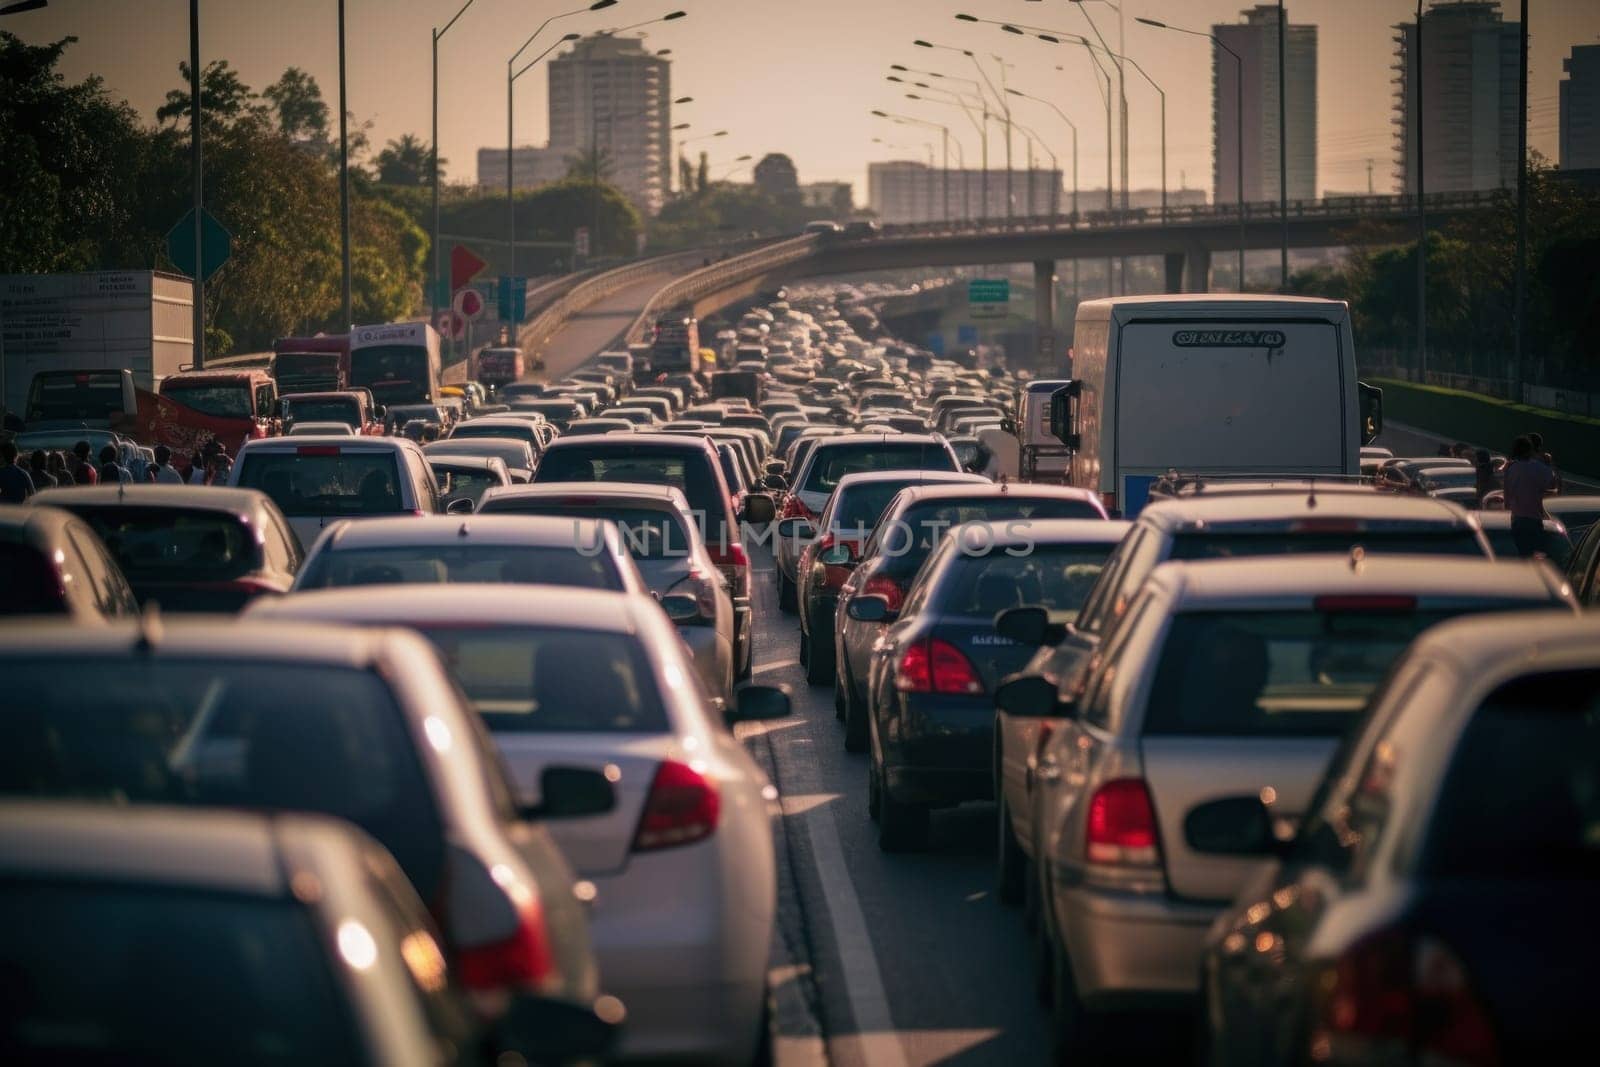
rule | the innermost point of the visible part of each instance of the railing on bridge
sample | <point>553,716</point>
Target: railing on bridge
<point>723,275</point>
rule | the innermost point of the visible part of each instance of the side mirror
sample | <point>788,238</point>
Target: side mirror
<point>680,607</point>
<point>796,529</point>
<point>1063,404</point>
<point>1033,697</point>
<point>868,609</point>
<point>567,792</point>
<point>776,482</point>
<point>776,466</point>
<point>758,703</point>
<point>1232,826</point>
<point>758,509</point>
<point>461,505</point>
<point>553,1030</point>
<point>834,555</point>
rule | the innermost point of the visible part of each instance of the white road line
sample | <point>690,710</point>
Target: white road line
<point>774,665</point>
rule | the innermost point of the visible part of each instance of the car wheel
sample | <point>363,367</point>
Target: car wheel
<point>1072,1027</point>
<point>786,597</point>
<point>805,649</point>
<point>819,659</point>
<point>855,719</point>
<point>1039,942</point>
<point>901,827</point>
<point>747,659</point>
<point>1010,861</point>
<point>839,711</point>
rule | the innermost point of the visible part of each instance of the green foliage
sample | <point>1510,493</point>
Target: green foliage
<point>548,214</point>
<point>297,101</point>
<point>776,176</point>
<point>723,211</point>
<point>406,161</point>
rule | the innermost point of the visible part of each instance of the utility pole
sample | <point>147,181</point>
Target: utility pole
<point>1518,318</point>
<point>344,181</point>
<point>1422,223</point>
<point>1283,153</point>
<point>197,178</point>
<point>1369,177</point>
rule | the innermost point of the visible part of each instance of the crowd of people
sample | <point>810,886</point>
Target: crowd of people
<point>21,477</point>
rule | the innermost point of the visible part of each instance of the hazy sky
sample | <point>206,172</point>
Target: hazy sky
<point>796,77</point>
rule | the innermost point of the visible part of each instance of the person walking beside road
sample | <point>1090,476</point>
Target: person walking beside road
<point>83,472</point>
<point>1527,479</point>
<point>111,470</point>
<point>38,470</point>
<point>15,485</point>
<point>164,473</point>
<point>1483,468</point>
<point>59,469</point>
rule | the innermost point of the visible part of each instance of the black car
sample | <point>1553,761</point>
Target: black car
<point>930,704</point>
<point>51,563</point>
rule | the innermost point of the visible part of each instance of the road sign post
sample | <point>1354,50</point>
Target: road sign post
<point>513,298</point>
<point>989,298</point>
<point>216,244</point>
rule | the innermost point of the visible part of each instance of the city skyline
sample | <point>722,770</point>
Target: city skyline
<point>803,81</point>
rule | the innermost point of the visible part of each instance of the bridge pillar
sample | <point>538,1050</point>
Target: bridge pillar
<point>1044,294</point>
<point>1174,272</point>
<point>1197,270</point>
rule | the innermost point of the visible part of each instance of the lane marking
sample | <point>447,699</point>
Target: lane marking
<point>774,665</point>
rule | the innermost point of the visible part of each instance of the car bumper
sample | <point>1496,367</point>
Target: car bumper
<point>939,749</point>
<point>1129,948</point>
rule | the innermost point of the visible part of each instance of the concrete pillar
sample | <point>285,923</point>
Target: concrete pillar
<point>1044,294</point>
<point>1174,272</point>
<point>1197,270</point>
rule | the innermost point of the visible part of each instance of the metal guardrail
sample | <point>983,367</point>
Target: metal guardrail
<point>730,271</point>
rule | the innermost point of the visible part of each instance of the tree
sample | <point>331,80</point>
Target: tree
<point>775,175</point>
<point>222,96</point>
<point>407,161</point>
<point>703,175</point>
<point>302,114</point>
<point>590,164</point>
<point>685,176</point>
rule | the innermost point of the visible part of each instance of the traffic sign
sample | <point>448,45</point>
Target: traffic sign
<point>966,335</point>
<point>450,324</point>
<point>216,244</point>
<point>513,297</point>
<point>580,241</point>
<point>465,265</point>
<point>989,291</point>
<point>469,304</point>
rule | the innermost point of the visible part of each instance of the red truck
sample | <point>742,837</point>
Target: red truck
<point>498,366</point>
<point>319,364</point>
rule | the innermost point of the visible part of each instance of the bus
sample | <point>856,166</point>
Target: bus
<point>399,362</point>
<point>1209,384</point>
<point>319,364</point>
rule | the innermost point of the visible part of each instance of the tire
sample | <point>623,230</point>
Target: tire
<point>747,665</point>
<point>1039,943</point>
<point>805,649</point>
<point>855,718</point>
<point>1010,861</point>
<point>1073,1030</point>
<point>819,659</point>
<point>786,593</point>
<point>901,827</point>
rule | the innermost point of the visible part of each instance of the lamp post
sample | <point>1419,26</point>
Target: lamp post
<point>1005,111</point>
<point>695,140</point>
<point>737,163</point>
<point>964,103</point>
<point>1122,93</point>
<point>1283,156</point>
<point>1422,219</point>
<point>944,134</point>
<point>594,153</point>
<point>1238,105</point>
<point>1073,126</point>
<point>433,168</point>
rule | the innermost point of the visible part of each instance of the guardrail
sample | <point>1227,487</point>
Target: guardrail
<point>697,284</point>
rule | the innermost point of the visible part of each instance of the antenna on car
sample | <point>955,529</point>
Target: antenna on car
<point>150,628</point>
<point>1358,558</point>
<point>463,531</point>
<point>1311,499</point>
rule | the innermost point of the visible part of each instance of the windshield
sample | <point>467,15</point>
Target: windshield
<point>906,543</point>
<point>328,410</point>
<point>833,462</point>
<point>221,733</point>
<point>1552,544</point>
<point>690,473</point>
<point>178,977</point>
<point>223,401</point>
<point>319,480</point>
<point>74,395</point>
<point>470,482</point>
<point>192,545</point>
<point>1058,577</point>
<point>394,373</point>
<point>1444,541</point>
<point>575,564</point>
<point>529,680</point>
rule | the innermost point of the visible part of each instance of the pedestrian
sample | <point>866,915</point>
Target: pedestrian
<point>217,463</point>
<point>15,485</point>
<point>164,472</point>
<point>83,472</point>
<point>1527,479</point>
<point>39,470</point>
<point>111,470</point>
<point>57,463</point>
<point>1483,468</point>
<point>1537,440</point>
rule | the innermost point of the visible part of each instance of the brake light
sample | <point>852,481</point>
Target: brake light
<point>937,666</point>
<point>317,450</point>
<point>886,587</point>
<point>1122,825</point>
<point>1108,500</point>
<point>1394,991</point>
<point>1365,602</point>
<point>523,960</point>
<point>705,593</point>
<point>737,556</point>
<point>795,508</point>
<point>682,808</point>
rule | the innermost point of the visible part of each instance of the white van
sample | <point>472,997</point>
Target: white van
<point>1209,384</point>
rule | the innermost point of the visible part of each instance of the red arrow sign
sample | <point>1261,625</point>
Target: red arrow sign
<point>465,265</point>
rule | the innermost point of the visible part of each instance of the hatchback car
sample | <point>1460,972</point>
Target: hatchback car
<point>517,454</point>
<point>529,430</point>
<point>51,563</point>
<point>596,683</point>
<point>468,477</point>
<point>317,481</point>
<point>1224,677</point>
<point>1439,896</point>
<point>189,547</point>
<point>363,725</point>
<point>1575,511</point>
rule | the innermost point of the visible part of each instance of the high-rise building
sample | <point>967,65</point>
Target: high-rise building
<point>1255,41</point>
<point>907,191</point>
<point>1470,60</point>
<point>531,166</point>
<point>1580,109</point>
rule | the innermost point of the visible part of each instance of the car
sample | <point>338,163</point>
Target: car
<point>862,228</point>
<point>516,453</point>
<point>659,406</point>
<point>1554,544</point>
<point>1576,511</point>
<point>583,427</point>
<point>321,429</point>
<point>833,547</point>
<point>1458,813</point>
<point>515,549</point>
<point>1583,569</point>
<point>317,481</point>
<point>634,416</point>
<point>593,683</point>
<point>667,546</point>
<point>559,410</point>
<point>929,715</point>
<point>619,363</point>
<point>908,531</point>
<point>189,547</point>
<point>204,938</point>
<point>51,563</point>
<point>362,725</point>
<point>691,465</point>
<point>525,428</point>
<point>351,407</point>
<point>1225,676</point>
<point>468,477</point>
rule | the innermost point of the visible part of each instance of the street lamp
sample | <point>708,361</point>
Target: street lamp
<point>944,135</point>
<point>693,140</point>
<point>1005,109</point>
<point>433,169</point>
<point>1071,125</point>
<point>1238,107</point>
<point>594,151</point>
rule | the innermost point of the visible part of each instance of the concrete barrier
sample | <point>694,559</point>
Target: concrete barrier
<point>1573,440</point>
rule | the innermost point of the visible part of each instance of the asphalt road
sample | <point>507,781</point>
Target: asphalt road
<point>592,329</point>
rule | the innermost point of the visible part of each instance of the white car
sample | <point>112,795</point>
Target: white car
<point>312,429</point>
<point>683,919</point>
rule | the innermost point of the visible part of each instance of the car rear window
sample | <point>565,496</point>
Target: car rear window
<point>29,584</point>
<point>1224,544</point>
<point>323,410</point>
<point>1522,796</point>
<point>647,533</point>
<point>689,472</point>
<point>1278,673</point>
<point>221,733</point>
<point>325,480</point>
<point>916,532</point>
<point>861,506</point>
<point>1058,577</point>
<point>527,680</point>
<point>575,564</point>
<point>177,977</point>
<point>833,462</point>
<point>194,545</point>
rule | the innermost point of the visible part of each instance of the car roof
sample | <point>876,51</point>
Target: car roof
<point>1290,507</point>
<point>861,478</point>
<point>344,441</point>
<point>622,491</point>
<point>193,848</point>
<point>1502,642</point>
<point>1572,502</point>
<point>530,530</point>
<point>881,439</point>
<point>1198,583</point>
<point>33,522</point>
<point>1501,520</point>
<point>199,637</point>
<point>460,602</point>
<point>631,441</point>
<point>1052,532</point>
<point>190,497</point>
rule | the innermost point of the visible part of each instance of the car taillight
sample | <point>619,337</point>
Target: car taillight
<point>1364,602</point>
<point>705,593</point>
<point>936,666</point>
<point>1122,825</point>
<point>1395,993</point>
<point>795,508</point>
<point>317,450</point>
<point>523,960</point>
<point>886,587</point>
<point>1108,501</point>
<point>682,808</point>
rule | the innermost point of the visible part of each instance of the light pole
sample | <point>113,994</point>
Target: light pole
<point>695,140</point>
<point>1422,220</point>
<point>1122,89</point>
<point>982,126</point>
<point>433,169</point>
<point>1005,110</point>
<point>1520,305</point>
<point>344,185</point>
<point>1283,156</point>
<point>1238,106</point>
<point>1073,126</point>
<point>944,133</point>
<point>735,164</point>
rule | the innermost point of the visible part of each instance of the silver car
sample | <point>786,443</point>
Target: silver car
<point>668,548</point>
<point>1223,677</point>
<point>577,681</point>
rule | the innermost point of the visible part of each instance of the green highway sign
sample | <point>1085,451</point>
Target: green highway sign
<point>216,244</point>
<point>989,291</point>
